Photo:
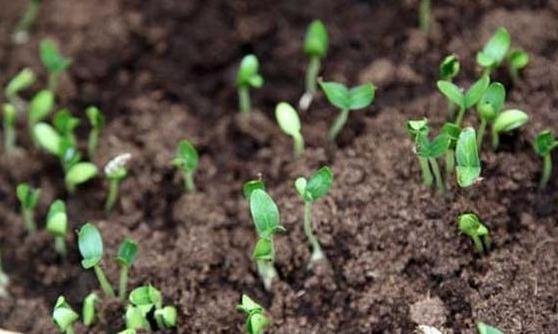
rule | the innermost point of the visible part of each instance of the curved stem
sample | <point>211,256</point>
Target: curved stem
<point>312,72</point>
<point>60,246</point>
<point>244,99</point>
<point>478,244</point>
<point>112,194</point>
<point>427,177</point>
<point>103,281</point>
<point>338,124</point>
<point>298,145</point>
<point>92,143</point>
<point>29,220</point>
<point>547,171</point>
<point>480,134</point>
<point>460,115</point>
<point>123,283</point>
<point>189,182</point>
<point>317,253</point>
<point>437,175</point>
<point>450,164</point>
<point>21,33</point>
<point>424,15</point>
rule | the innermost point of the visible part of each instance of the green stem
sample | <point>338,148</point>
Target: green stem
<point>22,28</point>
<point>244,99</point>
<point>70,330</point>
<point>427,178</point>
<point>317,253</point>
<point>547,171</point>
<point>424,15</point>
<point>267,273</point>
<point>29,220</point>
<point>60,246</point>
<point>92,143</point>
<point>112,194</point>
<point>338,124</point>
<point>478,244</point>
<point>53,81</point>
<point>451,111</point>
<point>298,145</point>
<point>460,116</point>
<point>450,163</point>
<point>9,138</point>
<point>495,139</point>
<point>123,283</point>
<point>189,182</point>
<point>480,134</point>
<point>437,175</point>
<point>105,285</point>
<point>312,75</point>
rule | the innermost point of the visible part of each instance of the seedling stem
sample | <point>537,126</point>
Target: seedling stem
<point>437,175</point>
<point>547,170</point>
<point>244,99</point>
<point>338,124</point>
<point>29,220</point>
<point>427,178</point>
<point>103,281</point>
<point>312,74</point>
<point>424,15</point>
<point>113,194</point>
<point>21,33</point>
<point>317,253</point>
<point>189,181</point>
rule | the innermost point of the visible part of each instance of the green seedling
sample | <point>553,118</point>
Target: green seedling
<point>115,172</point>
<point>449,68</point>
<point>289,122</point>
<point>466,100</point>
<point>166,317</point>
<point>136,318</point>
<point>128,331</point>
<point>544,144</point>
<point>432,150</point>
<point>4,281</point>
<point>346,100</point>
<point>57,225</point>
<point>126,256</point>
<point>21,81</point>
<point>311,190</point>
<point>494,51</point>
<point>78,174</point>
<point>23,27</point>
<point>452,131</point>
<point>256,321</point>
<point>90,245</point>
<point>28,199</point>
<point>66,125</point>
<point>39,108</point>
<point>415,129</point>
<point>470,225</point>
<point>468,168</point>
<point>507,121</point>
<point>265,215</point>
<point>145,300</point>
<point>89,309</point>
<point>489,107</point>
<point>425,15</point>
<point>517,60</point>
<point>316,43</point>
<point>486,329</point>
<point>54,62</point>
<point>64,316</point>
<point>250,186</point>
<point>9,122</point>
<point>97,121</point>
<point>187,160</point>
<point>248,76</point>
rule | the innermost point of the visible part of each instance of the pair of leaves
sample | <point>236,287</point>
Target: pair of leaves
<point>28,196</point>
<point>288,119</point>
<point>417,128</point>
<point>432,149</point>
<point>495,50</point>
<point>90,244</point>
<point>145,299</point>
<point>57,219</point>
<point>80,173</point>
<point>470,225</point>
<point>449,67</point>
<point>316,40</point>
<point>492,101</point>
<point>21,81</point>
<point>544,143</point>
<point>348,99</point>
<point>186,156</point>
<point>468,167</point>
<point>317,186</point>
<point>248,75</point>
<point>51,57</point>
<point>257,321</point>
<point>265,214</point>
<point>464,100</point>
<point>63,315</point>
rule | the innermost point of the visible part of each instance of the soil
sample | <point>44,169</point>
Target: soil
<point>163,70</point>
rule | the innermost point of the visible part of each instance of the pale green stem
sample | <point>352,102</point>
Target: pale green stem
<point>29,220</point>
<point>244,99</point>
<point>53,81</point>
<point>451,110</point>
<point>312,74</point>
<point>437,175</point>
<point>547,171</point>
<point>424,15</point>
<point>92,143</point>
<point>9,138</point>
<point>70,330</point>
<point>338,124</point>
<point>317,253</point>
<point>495,139</point>
<point>267,272</point>
<point>27,20</point>
<point>460,115</point>
<point>480,134</point>
<point>105,285</point>
<point>112,194</point>
<point>427,177</point>
<point>123,283</point>
<point>450,163</point>
<point>298,145</point>
<point>189,181</point>
<point>478,244</point>
<point>514,73</point>
<point>60,246</point>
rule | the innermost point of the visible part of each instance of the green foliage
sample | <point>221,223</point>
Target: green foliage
<point>128,331</point>
<point>80,173</point>
<point>89,309</point>
<point>256,321</point>
<point>495,50</point>
<point>250,186</point>
<point>468,162</point>
<point>265,214</point>
<point>97,121</point>
<point>486,329</point>
<point>51,57</point>
<point>64,316</point>
<point>90,245</point>
<point>248,75</point>
<point>544,143</point>
<point>127,252</point>
<point>316,40</point>
<point>136,318</point>
<point>452,131</point>
<point>317,186</point>
<point>48,138</point>
<point>289,122</point>
<point>145,300</point>
<point>66,125</point>
<point>507,121</point>
<point>449,67</point>
<point>492,101</point>
<point>416,128</point>
<point>517,60</point>
<point>432,149</point>
<point>40,106</point>
<point>166,317</point>
<point>115,171</point>
<point>28,198</point>
<point>57,219</point>
<point>470,225</point>
<point>187,160</point>
<point>146,295</point>
<point>9,123</point>
<point>340,96</point>
<point>21,81</point>
<point>464,100</point>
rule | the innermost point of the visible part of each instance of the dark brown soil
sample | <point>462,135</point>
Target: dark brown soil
<point>163,70</point>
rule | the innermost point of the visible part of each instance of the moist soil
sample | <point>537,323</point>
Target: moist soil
<point>164,70</point>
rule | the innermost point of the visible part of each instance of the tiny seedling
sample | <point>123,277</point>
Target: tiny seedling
<point>21,81</point>
<point>470,225</point>
<point>256,321</point>
<point>466,100</point>
<point>289,122</point>
<point>89,309</point>
<point>311,190</point>
<point>57,225</point>
<point>544,144</point>
<point>136,318</point>
<point>66,125</point>
<point>489,107</point>
<point>248,76</point>
<point>507,121</point>
<point>23,27</point>
<point>494,51</point>
<point>187,160</point>
<point>90,245</point>
<point>78,174</point>
<point>9,122</point>
<point>126,256</point>
<point>449,67</point>
<point>468,168</point>
<point>39,108</point>
<point>425,11</point>
<point>166,317</point>
<point>4,281</point>
<point>316,43</point>
<point>452,131</point>
<point>250,186</point>
<point>416,128</point>
<point>147,300</point>
<point>54,62</point>
<point>115,172</point>
<point>28,199</point>
<point>517,60</point>
<point>346,100</point>
<point>486,329</point>
<point>97,121</point>
<point>432,150</point>
<point>64,316</point>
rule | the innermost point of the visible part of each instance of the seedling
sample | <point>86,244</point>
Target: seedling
<point>21,32</point>
<point>316,43</point>
<point>57,225</point>
<point>97,121</point>
<point>289,122</point>
<point>79,174</point>
<point>64,316</point>
<point>465,100</point>
<point>470,225</point>
<point>489,107</point>
<point>136,319</point>
<point>166,317</point>
<point>494,51</point>
<point>415,129</point>
<point>265,215</point>
<point>449,68</point>
<point>39,108</point>
<point>507,121</point>
<point>89,309</point>
<point>250,186</point>
<point>126,256</point>
<point>21,81</point>
<point>346,100</point>
<point>115,172</point>
<point>187,160</point>
<point>432,150</point>
<point>256,321</point>
<point>311,190</point>
<point>9,122</point>
<point>247,77</point>
<point>517,60</point>
<point>146,300</point>
<point>66,125</point>
<point>4,281</point>
<point>90,245</point>
<point>452,131</point>
<point>468,168</point>
<point>425,15</point>
<point>28,199</point>
<point>544,144</point>
<point>486,329</point>
<point>54,62</point>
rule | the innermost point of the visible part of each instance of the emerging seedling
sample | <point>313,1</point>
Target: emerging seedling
<point>432,150</point>
<point>425,15</point>
<point>452,131</point>
<point>468,168</point>
<point>9,122</point>
<point>289,122</point>
<point>250,186</point>
<point>470,225</point>
<point>465,100</point>
<point>494,51</point>
<point>39,108</point>
<point>21,32</point>
<point>90,245</point>
<point>489,107</point>
<point>247,76</point>
<point>544,144</point>
<point>311,190</point>
<point>78,174</point>
<point>507,121</point>
<point>97,121</point>
<point>415,129</point>
<point>147,300</point>
<point>517,60</point>
<point>89,309</point>
<point>346,100</point>
<point>64,316</point>
<point>57,225</point>
<point>21,81</point>
<point>486,329</point>
<point>115,172</point>
<point>187,160</point>
<point>449,68</point>
<point>256,321</point>
<point>54,62</point>
<point>316,43</point>
<point>28,199</point>
<point>126,256</point>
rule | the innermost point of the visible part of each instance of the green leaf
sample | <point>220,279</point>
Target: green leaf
<point>496,49</point>
<point>492,101</point>
<point>319,184</point>
<point>510,120</point>
<point>24,79</point>
<point>40,106</point>
<point>475,92</point>
<point>80,173</point>
<point>186,156</point>
<point>432,149</point>
<point>249,306</point>
<point>300,186</point>
<point>57,219</point>
<point>449,68</point>
<point>544,143</point>
<point>250,186</point>
<point>361,96</point>
<point>316,40</point>
<point>88,310</point>
<point>63,315</point>
<point>48,138</point>
<point>135,318</point>
<point>417,127</point>
<point>28,196</point>
<point>256,323</point>
<point>127,252</point>
<point>90,245</point>
<point>146,295</point>
<point>95,117</point>
<point>51,57</point>
<point>452,131</point>
<point>288,119</point>
<point>467,156</point>
<point>470,225</point>
<point>263,250</point>
<point>248,72</point>
<point>65,123</point>
<point>486,329</point>
<point>518,59</point>
<point>452,92</point>
<point>337,94</point>
<point>167,315</point>
<point>265,213</point>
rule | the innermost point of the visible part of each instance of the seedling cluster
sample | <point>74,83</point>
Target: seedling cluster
<point>256,319</point>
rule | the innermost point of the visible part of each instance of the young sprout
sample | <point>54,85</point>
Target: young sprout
<point>21,81</point>
<point>66,125</point>
<point>316,43</point>
<point>147,299</point>
<point>126,256</point>
<point>39,108</point>
<point>470,225</point>
<point>425,15</point>
<point>507,121</point>
<point>465,100</point>
<point>489,107</point>
<point>289,122</point>
<point>187,160</point>
<point>256,321</point>
<point>250,186</point>
<point>4,281</point>
<point>136,318</point>
<point>21,32</point>
<point>544,143</point>
<point>90,245</point>
<point>28,199</point>
<point>64,316</point>
<point>78,174</point>
<point>311,190</point>
<point>265,215</point>
<point>449,68</point>
<point>346,100</point>
<point>115,172</point>
<point>517,60</point>
<point>166,317</point>
<point>54,62</point>
<point>432,150</point>
<point>247,77</point>
<point>468,168</point>
<point>97,121</point>
<point>415,129</point>
<point>57,225</point>
<point>494,51</point>
<point>89,309</point>
<point>486,329</point>
<point>9,122</point>
<point>452,131</point>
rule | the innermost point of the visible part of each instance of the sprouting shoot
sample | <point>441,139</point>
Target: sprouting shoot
<point>126,256</point>
<point>466,100</point>
<point>90,245</point>
<point>544,144</point>
<point>64,316</point>
<point>97,121</point>
<point>54,62</point>
<point>57,225</point>
<point>248,76</point>
<point>28,200</point>
<point>289,122</point>
<point>256,319</point>
<point>115,172</point>
<point>470,225</point>
<point>187,160</point>
<point>316,43</point>
<point>23,27</point>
